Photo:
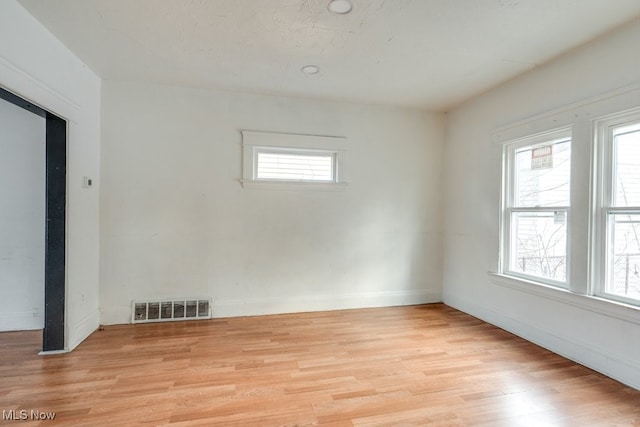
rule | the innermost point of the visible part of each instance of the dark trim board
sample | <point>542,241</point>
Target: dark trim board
<point>23,103</point>
<point>56,193</point>
<point>55,228</point>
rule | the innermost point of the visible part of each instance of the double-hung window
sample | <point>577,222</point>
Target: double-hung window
<point>536,203</point>
<point>618,225</point>
<point>570,205</point>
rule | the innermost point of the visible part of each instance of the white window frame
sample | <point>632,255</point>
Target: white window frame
<point>508,207</point>
<point>603,177</point>
<point>585,265</point>
<point>254,143</point>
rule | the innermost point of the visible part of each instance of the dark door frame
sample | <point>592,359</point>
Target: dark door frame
<point>53,338</point>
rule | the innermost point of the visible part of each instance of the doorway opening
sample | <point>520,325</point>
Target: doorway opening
<point>53,335</point>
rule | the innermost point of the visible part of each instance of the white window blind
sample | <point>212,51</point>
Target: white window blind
<point>273,160</point>
<point>295,166</point>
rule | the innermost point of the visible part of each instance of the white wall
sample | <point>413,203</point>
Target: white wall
<point>175,220</point>
<point>22,218</point>
<point>36,66</point>
<point>569,325</point>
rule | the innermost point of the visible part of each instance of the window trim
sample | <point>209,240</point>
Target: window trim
<point>581,117</point>
<point>255,142</point>
<point>598,305</point>
<point>507,208</point>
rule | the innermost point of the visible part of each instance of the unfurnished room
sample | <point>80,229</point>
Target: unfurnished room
<point>320,212</point>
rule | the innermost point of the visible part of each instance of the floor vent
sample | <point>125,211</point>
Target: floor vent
<point>170,310</point>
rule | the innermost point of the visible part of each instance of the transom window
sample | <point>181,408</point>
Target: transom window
<point>288,161</point>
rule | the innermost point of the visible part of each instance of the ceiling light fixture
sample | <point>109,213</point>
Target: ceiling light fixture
<point>310,69</point>
<point>340,7</point>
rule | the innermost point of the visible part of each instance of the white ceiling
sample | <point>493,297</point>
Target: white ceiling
<point>430,54</point>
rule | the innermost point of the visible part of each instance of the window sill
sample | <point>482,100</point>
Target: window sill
<point>605,307</point>
<point>293,185</point>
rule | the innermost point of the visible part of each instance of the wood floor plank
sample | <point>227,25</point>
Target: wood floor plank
<point>427,365</point>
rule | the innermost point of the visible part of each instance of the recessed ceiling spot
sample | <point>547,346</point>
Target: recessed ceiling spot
<point>340,6</point>
<point>310,69</point>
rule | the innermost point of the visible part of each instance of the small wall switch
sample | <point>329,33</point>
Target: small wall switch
<point>87,182</point>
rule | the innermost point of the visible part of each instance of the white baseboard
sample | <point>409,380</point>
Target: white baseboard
<point>117,315</point>
<point>21,321</point>
<point>619,367</point>
<point>298,304</point>
<point>26,321</point>
<point>53,352</point>
<point>80,331</point>
<point>294,304</point>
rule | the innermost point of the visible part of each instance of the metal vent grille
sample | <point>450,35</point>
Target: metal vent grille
<point>170,310</point>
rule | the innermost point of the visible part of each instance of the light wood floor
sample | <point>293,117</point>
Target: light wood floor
<point>419,365</point>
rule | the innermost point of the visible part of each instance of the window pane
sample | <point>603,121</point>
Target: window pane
<point>295,167</point>
<point>542,174</point>
<point>539,244</point>
<point>626,180</point>
<point>624,256</point>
